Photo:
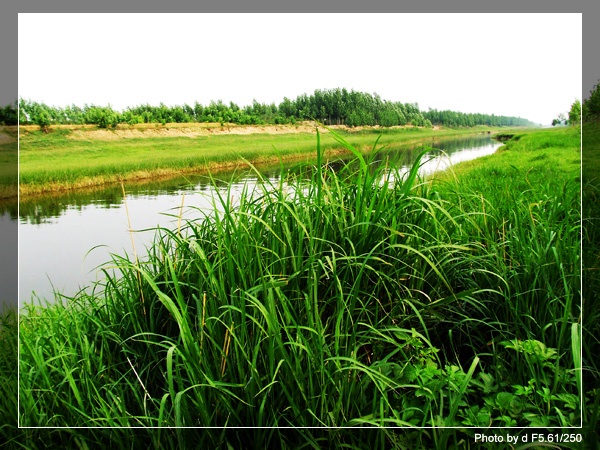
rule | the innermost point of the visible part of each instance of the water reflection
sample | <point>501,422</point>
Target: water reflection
<point>8,260</point>
<point>64,238</point>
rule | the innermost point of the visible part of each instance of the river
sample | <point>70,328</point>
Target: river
<point>64,239</point>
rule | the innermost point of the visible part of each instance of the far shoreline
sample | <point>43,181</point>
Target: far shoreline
<point>87,141</point>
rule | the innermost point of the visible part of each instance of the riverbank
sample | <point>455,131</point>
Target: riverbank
<point>69,157</point>
<point>442,302</point>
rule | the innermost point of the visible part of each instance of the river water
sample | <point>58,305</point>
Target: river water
<point>63,239</point>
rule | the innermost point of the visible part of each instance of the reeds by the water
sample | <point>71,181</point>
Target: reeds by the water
<point>328,300</point>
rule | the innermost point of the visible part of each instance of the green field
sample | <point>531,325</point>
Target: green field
<point>67,158</point>
<point>8,162</point>
<point>345,302</point>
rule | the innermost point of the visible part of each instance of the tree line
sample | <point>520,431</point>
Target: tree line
<point>329,106</point>
<point>587,111</point>
<point>590,109</point>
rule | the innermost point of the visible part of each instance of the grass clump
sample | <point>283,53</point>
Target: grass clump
<point>363,298</point>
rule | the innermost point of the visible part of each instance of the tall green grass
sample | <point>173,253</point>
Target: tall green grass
<point>591,277</point>
<point>8,374</point>
<point>361,298</point>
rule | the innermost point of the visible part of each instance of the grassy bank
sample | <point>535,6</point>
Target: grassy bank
<point>71,157</point>
<point>9,179</point>
<point>351,299</point>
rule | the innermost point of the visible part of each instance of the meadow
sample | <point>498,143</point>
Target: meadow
<point>365,308</point>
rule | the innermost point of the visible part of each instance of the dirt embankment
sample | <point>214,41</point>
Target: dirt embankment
<point>6,139</point>
<point>8,134</point>
<point>187,131</point>
<point>92,132</point>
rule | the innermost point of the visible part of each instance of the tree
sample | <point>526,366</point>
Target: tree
<point>575,113</point>
<point>8,115</point>
<point>43,120</point>
<point>591,105</point>
<point>389,117</point>
<point>560,120</point>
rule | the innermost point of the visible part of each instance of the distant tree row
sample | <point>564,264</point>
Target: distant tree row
<point>455,119</point>
<point>574,116</point>
<point>588,111</point>
<point>331,107</point>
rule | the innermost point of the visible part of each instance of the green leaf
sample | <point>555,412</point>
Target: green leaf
<point>504,400</point>
<point>485,382</point>
<point>536,420</point>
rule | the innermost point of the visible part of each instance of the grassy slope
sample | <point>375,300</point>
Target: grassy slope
<point>55,161</point>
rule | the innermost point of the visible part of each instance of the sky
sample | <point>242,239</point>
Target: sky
<point>522,65</point>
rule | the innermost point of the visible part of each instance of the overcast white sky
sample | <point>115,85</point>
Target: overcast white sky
<point>526,65</point>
